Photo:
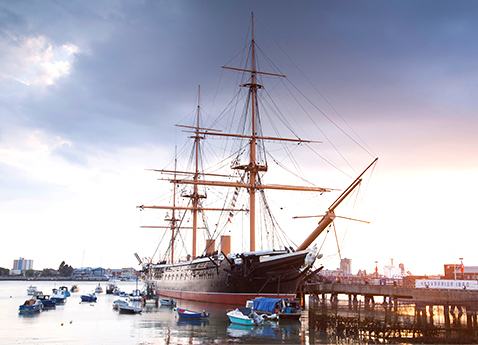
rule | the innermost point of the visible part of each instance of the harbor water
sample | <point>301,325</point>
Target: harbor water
<point>77,322</point>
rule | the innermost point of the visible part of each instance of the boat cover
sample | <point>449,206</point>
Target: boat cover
<point>266,304</point>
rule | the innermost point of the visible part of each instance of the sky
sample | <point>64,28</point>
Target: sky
<point>90,93</point>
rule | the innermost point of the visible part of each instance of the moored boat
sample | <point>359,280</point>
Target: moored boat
<point>119,302</point>
<point>245,316</point>
<point>189,314</point>
<point>31,306</point>
<point>91,297</point>
<point>65,291</point>
<point>111,289</point>
<point>58,296</point>
<point>75,288</point>
<point>46,301</point>
<point>167,302</point>
<point>31,290</point>
<point>129,309</point>
<point>276,308</point>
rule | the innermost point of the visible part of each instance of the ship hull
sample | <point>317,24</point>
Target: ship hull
<point>231,281</point>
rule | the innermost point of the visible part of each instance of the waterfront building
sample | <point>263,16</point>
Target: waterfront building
<point>22,265</point>
<point>459,271</point>
<point>89,272</point>
<point>346,266</point>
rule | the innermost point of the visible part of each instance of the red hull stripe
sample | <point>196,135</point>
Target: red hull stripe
<point>238,299</point>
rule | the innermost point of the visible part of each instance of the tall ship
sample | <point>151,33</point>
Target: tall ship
<point>200,261</point>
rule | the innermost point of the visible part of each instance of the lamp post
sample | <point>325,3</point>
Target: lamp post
<point>376,269</point>
<point>462,269</point>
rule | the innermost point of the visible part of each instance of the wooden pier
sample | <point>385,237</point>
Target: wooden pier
<point>394,293</point>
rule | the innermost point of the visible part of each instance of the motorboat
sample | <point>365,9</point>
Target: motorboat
<point>276,308</point>
<point>31,290</point>
<point>245,316</point>
<point>31,306</point>
<point>189,314</point>
<point>129,309</point>
<point>91,297</point>
<point>118,303</point>
<point>65,291</point>
<point>46,301</point>
<point>167,302</point>
<point>59,296</point>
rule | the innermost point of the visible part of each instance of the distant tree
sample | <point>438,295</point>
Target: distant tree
<point>65,270</point>
<point>29,273</point>
<point>4,271</point>
<point>46,272</point>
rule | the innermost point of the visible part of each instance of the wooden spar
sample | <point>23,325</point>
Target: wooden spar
<point>247,185</point>
<point>330,215</point>
<point>191,208</point>
<point>196,194</point>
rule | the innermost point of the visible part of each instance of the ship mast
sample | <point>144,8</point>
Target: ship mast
<point>254,167</point>
<point>196,176</point>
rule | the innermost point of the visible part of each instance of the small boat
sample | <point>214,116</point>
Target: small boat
<point>65,291</point>
<point>31,306</point>
<point>136,296</point>
<point>31,290</point>
<point>167,302</point>
<point>91,297</point>
<point>58,297</point>
<point>245,316</point>
<point>74,288</point>
<point>111,289</point>
<point>46,301</point>
<point>188,314</point>
<point>276,308</point>
<point>118,303</point>
<point>129,309</point>
<point>99,289</point>
<point>149,293</point>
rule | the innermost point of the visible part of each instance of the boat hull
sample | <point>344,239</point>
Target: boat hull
<point>191,315</point>
<point>225,281</point>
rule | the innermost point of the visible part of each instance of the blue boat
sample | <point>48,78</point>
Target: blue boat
<point>91,297</point>
<point>64,290</point>
<point>31,306</point>
<point>46,301</point>
<point>245,316</point>
<point>59,297</point>
<point>282,308</point>
<point>192,315</point>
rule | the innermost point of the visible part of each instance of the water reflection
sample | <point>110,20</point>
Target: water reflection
<point>186,322</point>
<point>342,322</point>
<point>279,331</point>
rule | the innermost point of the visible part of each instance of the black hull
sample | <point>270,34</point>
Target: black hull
<point>249,274</point>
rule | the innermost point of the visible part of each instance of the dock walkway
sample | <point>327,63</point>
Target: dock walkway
<point>395,293</point>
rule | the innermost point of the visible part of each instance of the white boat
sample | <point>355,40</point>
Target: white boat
<point>276,308</point>
<point>99,289</point>
<point>59,296</point>
<point>118,303</point>
<point>31,306</point>
<point>31,290</point>
<point>168,302</point>
<point>129,309</point>
<point>245,316</point>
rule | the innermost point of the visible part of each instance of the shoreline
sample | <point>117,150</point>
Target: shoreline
<point>53,279</point>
